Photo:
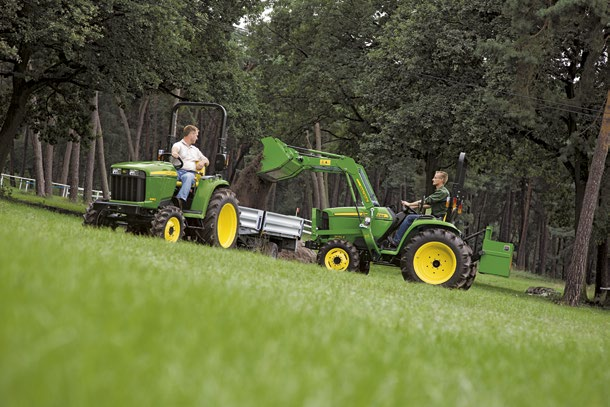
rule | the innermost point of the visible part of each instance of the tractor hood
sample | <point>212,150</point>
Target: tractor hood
<point>147,168</point>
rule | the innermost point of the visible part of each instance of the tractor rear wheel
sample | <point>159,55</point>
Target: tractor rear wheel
<point>221,219</point>
<point>437,257</point>
<point>339,255</point>
<point>168,224</point>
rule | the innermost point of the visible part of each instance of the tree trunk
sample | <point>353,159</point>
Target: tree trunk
<point>507,217</point>
<point>542,247</point>
<point>141,116</point>
<point>74,171</point>
<point>66,164</point>
<point>100,154</point>
<point>522,251</point>
<point>125,122</point>
<point>316,202</point>
<point>11,167</point>
<point>38,166</point>
<point>25,151</point>
<point>17,107</point>
<point>48,168</point>
<point>602,280</point>
<point>90,170</point>
<point>321,184</point>
<point>576,272</point>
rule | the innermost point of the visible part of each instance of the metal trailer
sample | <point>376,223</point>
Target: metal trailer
<point>268,232</point>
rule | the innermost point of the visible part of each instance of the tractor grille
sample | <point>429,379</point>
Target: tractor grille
<point>127,188</point>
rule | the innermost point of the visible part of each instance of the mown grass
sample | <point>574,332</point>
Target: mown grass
<point>52,201</point>
<point>99,317</point>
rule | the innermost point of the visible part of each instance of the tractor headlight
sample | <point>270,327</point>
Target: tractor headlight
<point>116,171</point>
<point>135,173</point>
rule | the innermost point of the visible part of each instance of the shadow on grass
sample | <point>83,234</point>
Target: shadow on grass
<point>499,290</point>
<point>554,298</point>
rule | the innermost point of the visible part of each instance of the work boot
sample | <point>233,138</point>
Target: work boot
<point>388,244</point>
<point>178,202</point>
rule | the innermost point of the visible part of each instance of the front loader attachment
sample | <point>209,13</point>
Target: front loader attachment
<point>496,257</point>
<point>281,161</point>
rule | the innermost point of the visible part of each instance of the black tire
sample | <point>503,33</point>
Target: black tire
<point>138,230</point>
<point>221,223</point>
<point>471,276</point>
<point>365,263</point>
<point>93,217</point>
<point>438,257</point>
<point>365,267</point>
<point>168,224</point>
<point>339,255</point>
<point>271,249</point>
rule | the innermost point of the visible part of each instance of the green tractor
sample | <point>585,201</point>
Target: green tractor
<point>142,196</point>
<point>432,251</point>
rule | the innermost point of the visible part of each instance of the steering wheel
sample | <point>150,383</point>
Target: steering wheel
<point>176,166</point>
<point>420,208</point>
<point>408,210</point>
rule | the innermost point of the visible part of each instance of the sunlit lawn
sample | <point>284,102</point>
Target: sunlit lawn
<point>95,317</point>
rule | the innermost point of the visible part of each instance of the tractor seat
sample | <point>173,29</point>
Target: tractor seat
<point>198,175</point>
<point>179,183</point>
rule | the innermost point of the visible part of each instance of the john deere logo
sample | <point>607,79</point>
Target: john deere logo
<point>324,162</point>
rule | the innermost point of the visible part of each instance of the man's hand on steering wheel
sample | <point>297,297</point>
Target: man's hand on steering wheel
<point>176,166</point>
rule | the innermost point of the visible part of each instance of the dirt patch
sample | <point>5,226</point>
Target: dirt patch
<point>302,254</point>
<point>251,190</point>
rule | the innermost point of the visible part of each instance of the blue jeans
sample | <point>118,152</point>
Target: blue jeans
<point>187,179</point>
<point>408,221</point>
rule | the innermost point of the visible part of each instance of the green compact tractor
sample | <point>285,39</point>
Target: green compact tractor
<point>432,251</point>
<point>142,197</point>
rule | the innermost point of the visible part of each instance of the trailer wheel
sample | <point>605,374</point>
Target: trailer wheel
<point>221,219</point>
<point>339,255</point>
<point>437,257</point>
<point>168,224</point>
<point>271,249</point>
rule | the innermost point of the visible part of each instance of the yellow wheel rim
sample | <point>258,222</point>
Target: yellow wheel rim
<point>172,229</point>
<point>227,226</point>
<point>434,263</point>
<point>336,259</point>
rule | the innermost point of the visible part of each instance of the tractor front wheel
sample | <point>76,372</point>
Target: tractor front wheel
<point>221,221</point>
<point>438,257</point>
<point>168,224</point>
<point>339,255</point>
<point>94,217</point>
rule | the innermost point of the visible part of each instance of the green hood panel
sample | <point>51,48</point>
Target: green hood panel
<point>150,168</point>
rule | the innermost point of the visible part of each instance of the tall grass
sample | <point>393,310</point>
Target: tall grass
<point>98,317</point>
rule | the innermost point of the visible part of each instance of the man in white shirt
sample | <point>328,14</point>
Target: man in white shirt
<point>193,160</point>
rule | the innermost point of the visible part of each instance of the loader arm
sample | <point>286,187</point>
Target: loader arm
<point>281,162</point>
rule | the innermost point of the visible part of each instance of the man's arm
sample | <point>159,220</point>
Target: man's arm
<point>202,162</point>
<point>176,151</point>
<point>440,195</point>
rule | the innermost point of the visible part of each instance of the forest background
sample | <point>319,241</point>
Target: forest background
<point>401,86</point>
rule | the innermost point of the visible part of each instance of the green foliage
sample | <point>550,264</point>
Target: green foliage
<point>138,321</point>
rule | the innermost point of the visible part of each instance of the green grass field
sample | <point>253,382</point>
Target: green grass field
<point>98,317</point>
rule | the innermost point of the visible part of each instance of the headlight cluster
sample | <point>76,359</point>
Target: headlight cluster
<point>131,173</point>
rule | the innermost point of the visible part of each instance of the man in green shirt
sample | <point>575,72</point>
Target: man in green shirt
<point>437,201</point>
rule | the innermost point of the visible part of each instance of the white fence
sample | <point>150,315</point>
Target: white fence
<point>25,184</point>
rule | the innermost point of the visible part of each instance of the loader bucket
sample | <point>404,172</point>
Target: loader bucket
<point>496,257</point>
<point>279,162</point>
